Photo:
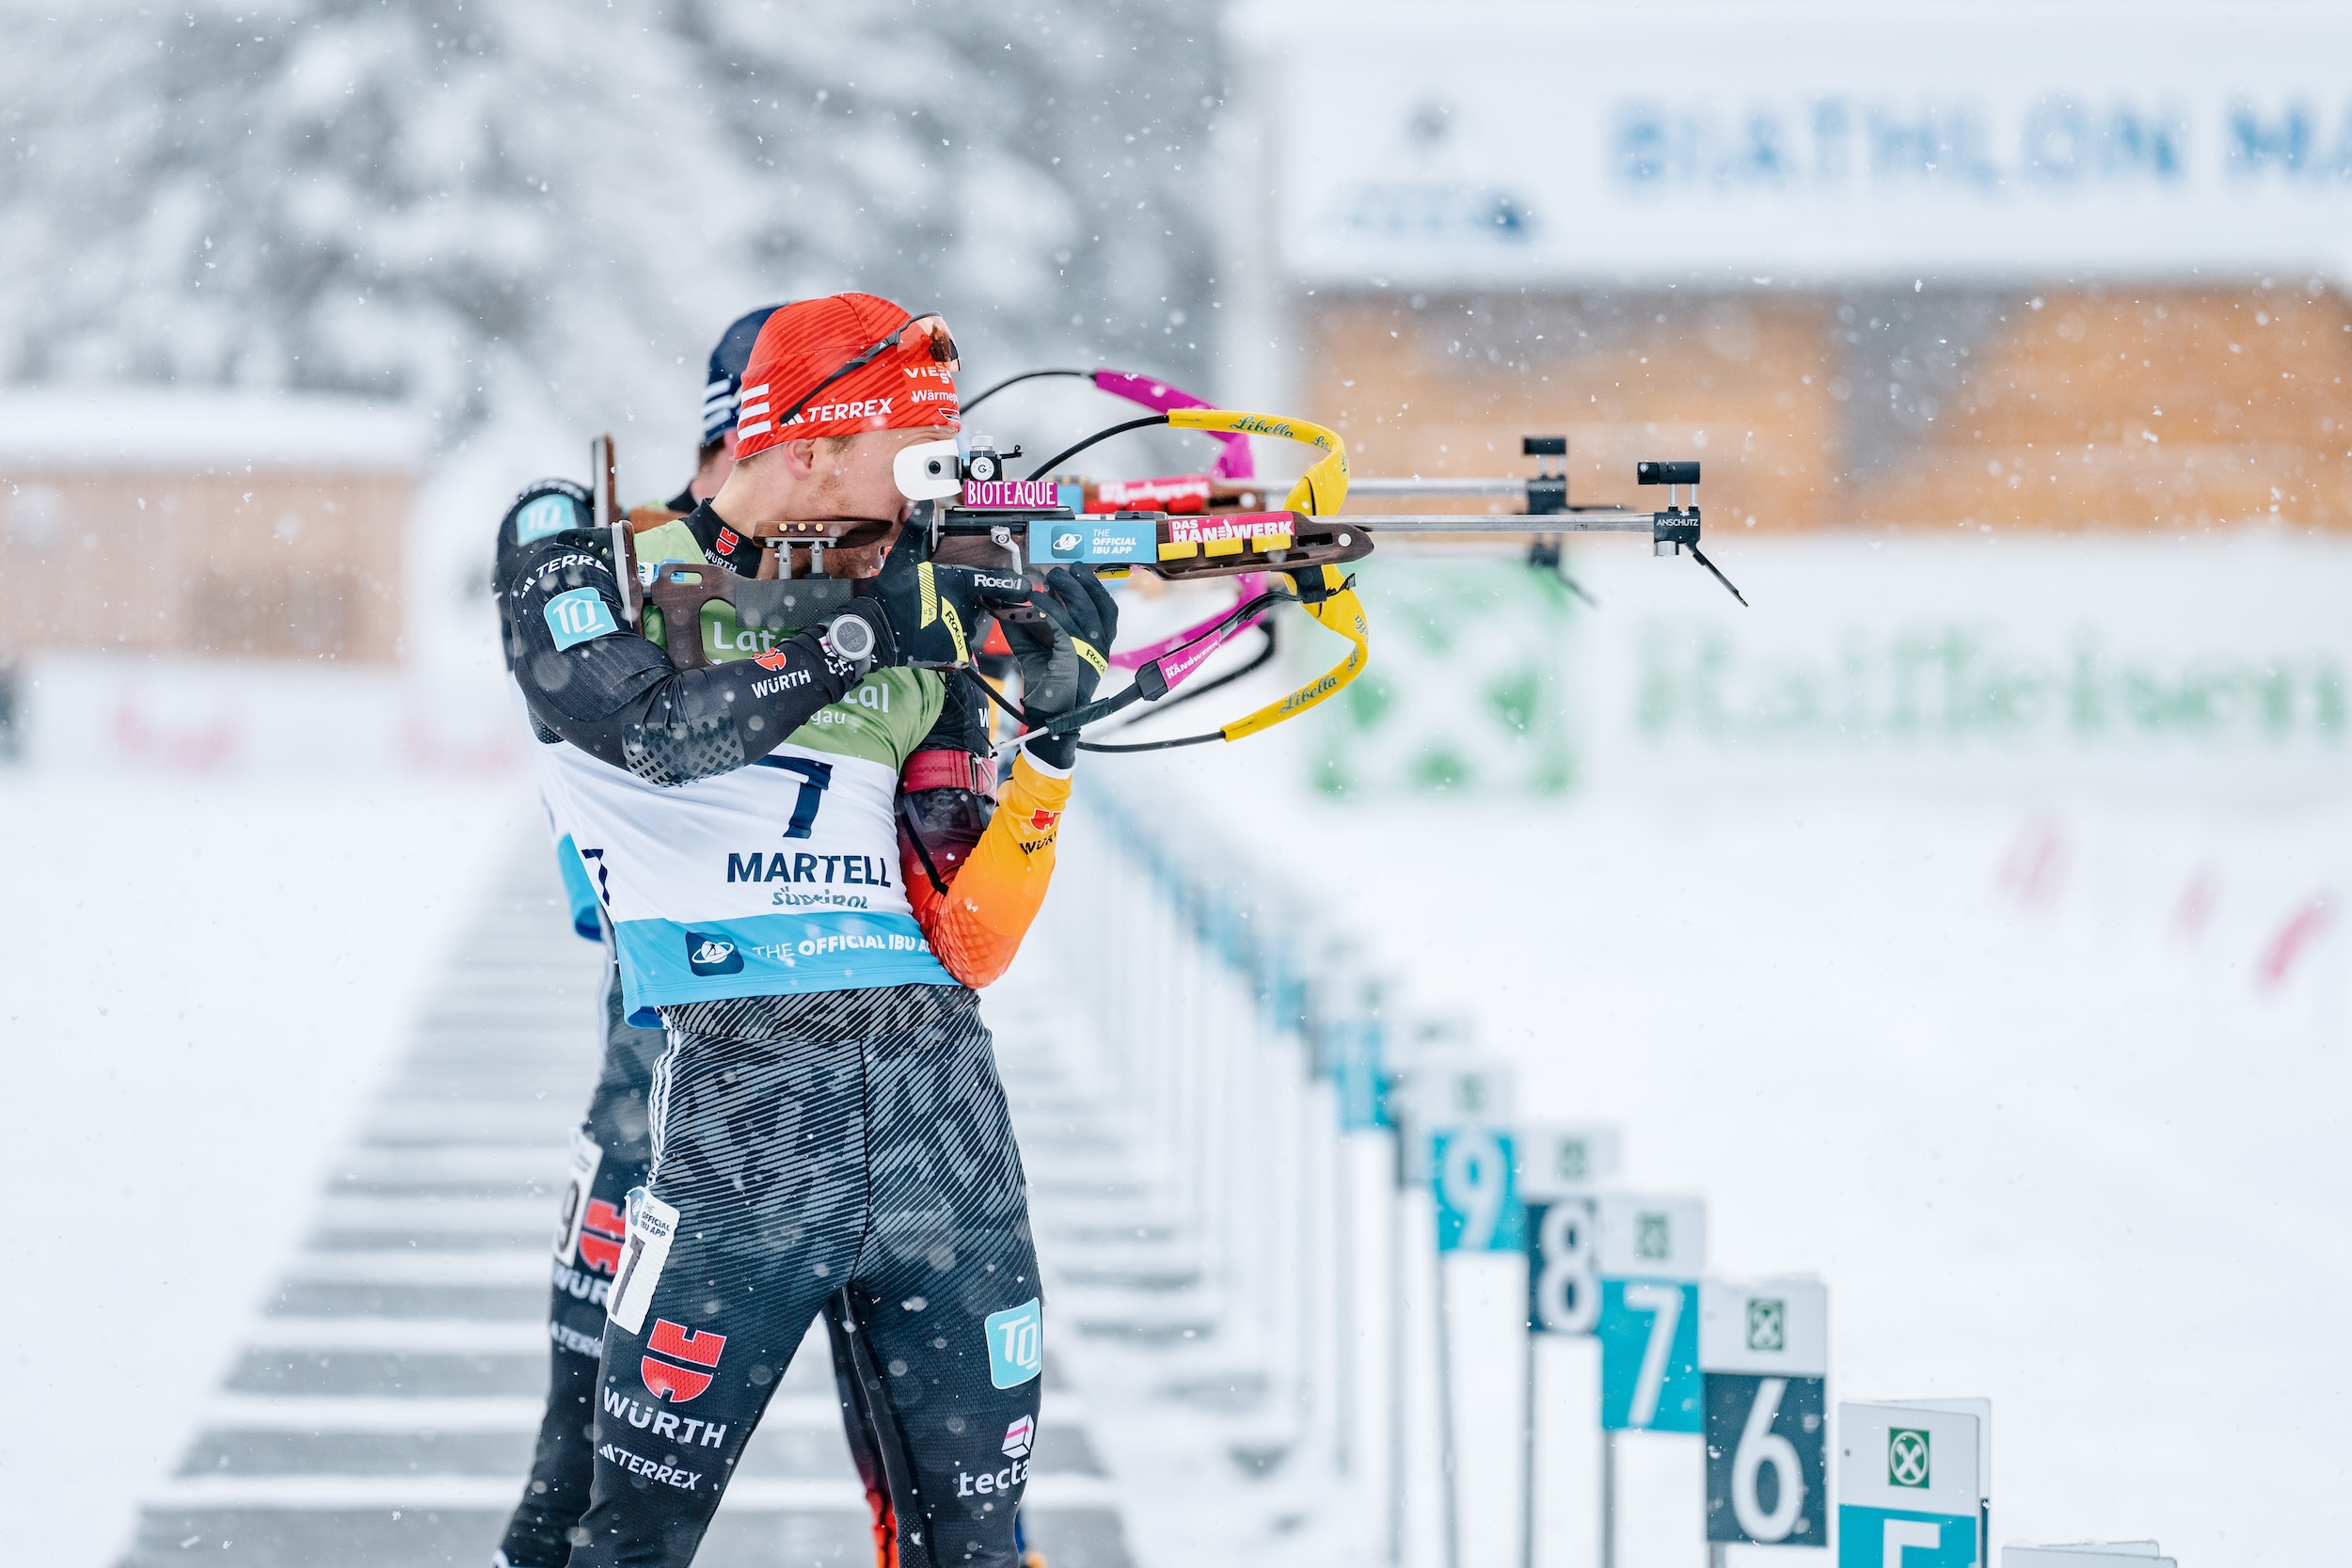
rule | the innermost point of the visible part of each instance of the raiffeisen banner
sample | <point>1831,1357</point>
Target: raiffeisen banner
<point>2211,668</point>
<point>1475,145</point>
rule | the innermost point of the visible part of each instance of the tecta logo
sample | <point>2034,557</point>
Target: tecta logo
<point>1018,1437</point>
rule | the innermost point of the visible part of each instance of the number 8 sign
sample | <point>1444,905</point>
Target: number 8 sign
<point>1563,1271</point>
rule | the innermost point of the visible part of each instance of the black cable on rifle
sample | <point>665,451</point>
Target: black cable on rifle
<point>998,698</point>
<point>1059,458</point>
<point>1155,745</point>
<point>1263,656</point>
<point>1024,375</point>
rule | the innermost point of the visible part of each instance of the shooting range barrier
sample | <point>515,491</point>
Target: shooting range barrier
<point>1359,1211</point>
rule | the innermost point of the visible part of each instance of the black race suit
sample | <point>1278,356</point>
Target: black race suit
<point>850,1139</point>
<point>541,1533</point>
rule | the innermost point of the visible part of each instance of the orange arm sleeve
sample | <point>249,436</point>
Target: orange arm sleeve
<point>976,927</point>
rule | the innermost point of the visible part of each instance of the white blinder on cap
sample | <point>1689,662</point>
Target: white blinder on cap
<point>928,471</point>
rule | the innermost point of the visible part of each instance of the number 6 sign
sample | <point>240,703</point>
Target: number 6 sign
<point>1764,1357</point>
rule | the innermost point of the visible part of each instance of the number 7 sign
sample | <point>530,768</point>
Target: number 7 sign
<point>1652,1251</point>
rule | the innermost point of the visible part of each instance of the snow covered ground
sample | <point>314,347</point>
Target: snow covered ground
<point>2040,1075</point>
<point>204,977</point>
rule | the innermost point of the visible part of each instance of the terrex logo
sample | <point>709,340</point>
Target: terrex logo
<point>1018,1437</point>
<point>680,1385</point>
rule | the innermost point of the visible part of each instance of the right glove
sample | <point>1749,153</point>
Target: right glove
<point>1064,656</point>
<point>936,611</point>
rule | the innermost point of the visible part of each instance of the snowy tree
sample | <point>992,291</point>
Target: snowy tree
<point>543,211</point>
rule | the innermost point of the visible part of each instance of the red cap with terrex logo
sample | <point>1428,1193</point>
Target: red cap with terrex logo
<point>807,357</point>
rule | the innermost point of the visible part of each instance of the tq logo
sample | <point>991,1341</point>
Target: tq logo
<point>680,1384</point>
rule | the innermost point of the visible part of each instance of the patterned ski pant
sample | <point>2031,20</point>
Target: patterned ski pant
<point>611,1153</point>
<point>804,1145</point>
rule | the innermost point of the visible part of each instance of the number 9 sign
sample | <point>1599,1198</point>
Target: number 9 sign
<point>1478,1203</point>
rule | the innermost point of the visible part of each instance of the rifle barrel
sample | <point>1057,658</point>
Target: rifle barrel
<point>1594,521</point>
<point>1438,487</point>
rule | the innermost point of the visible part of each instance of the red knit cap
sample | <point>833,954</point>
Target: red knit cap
<point>908,386</point>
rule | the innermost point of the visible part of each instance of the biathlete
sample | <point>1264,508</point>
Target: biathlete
<point>611,1146</point>
<point>805,903</point>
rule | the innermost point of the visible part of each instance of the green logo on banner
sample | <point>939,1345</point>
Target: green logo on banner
<point>1907,1458</point>
<point>1569,1161</point>
<point>1652,1240</point>
<point>1768,1323</point>
<point>1469,695</point>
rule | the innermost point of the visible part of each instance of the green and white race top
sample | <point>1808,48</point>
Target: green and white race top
<point>780,878</point>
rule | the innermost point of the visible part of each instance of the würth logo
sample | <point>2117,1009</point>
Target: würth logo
<point>680,1384</point>
<point>601,1235</point>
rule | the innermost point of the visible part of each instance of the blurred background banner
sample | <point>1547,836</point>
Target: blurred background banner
<point>1825,140</point>
<point>292,299</point>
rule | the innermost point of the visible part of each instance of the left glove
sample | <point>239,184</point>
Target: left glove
<point>1064,656</point>
<point>936,612</point>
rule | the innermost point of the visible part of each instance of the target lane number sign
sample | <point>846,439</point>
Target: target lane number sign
<point>1652,1251</point>
<point>1764,1359</point>
<point>1907,1487</point>
<point>1557,1165</point>
<point>1478,1200</point>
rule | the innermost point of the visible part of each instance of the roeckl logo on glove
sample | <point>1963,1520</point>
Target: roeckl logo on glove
<point>680,1384</point>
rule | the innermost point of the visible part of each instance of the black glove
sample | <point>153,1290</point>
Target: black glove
<point>936,611</point>
<point>1062,657</point>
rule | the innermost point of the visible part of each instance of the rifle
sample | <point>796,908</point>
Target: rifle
<point>981,534</point>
